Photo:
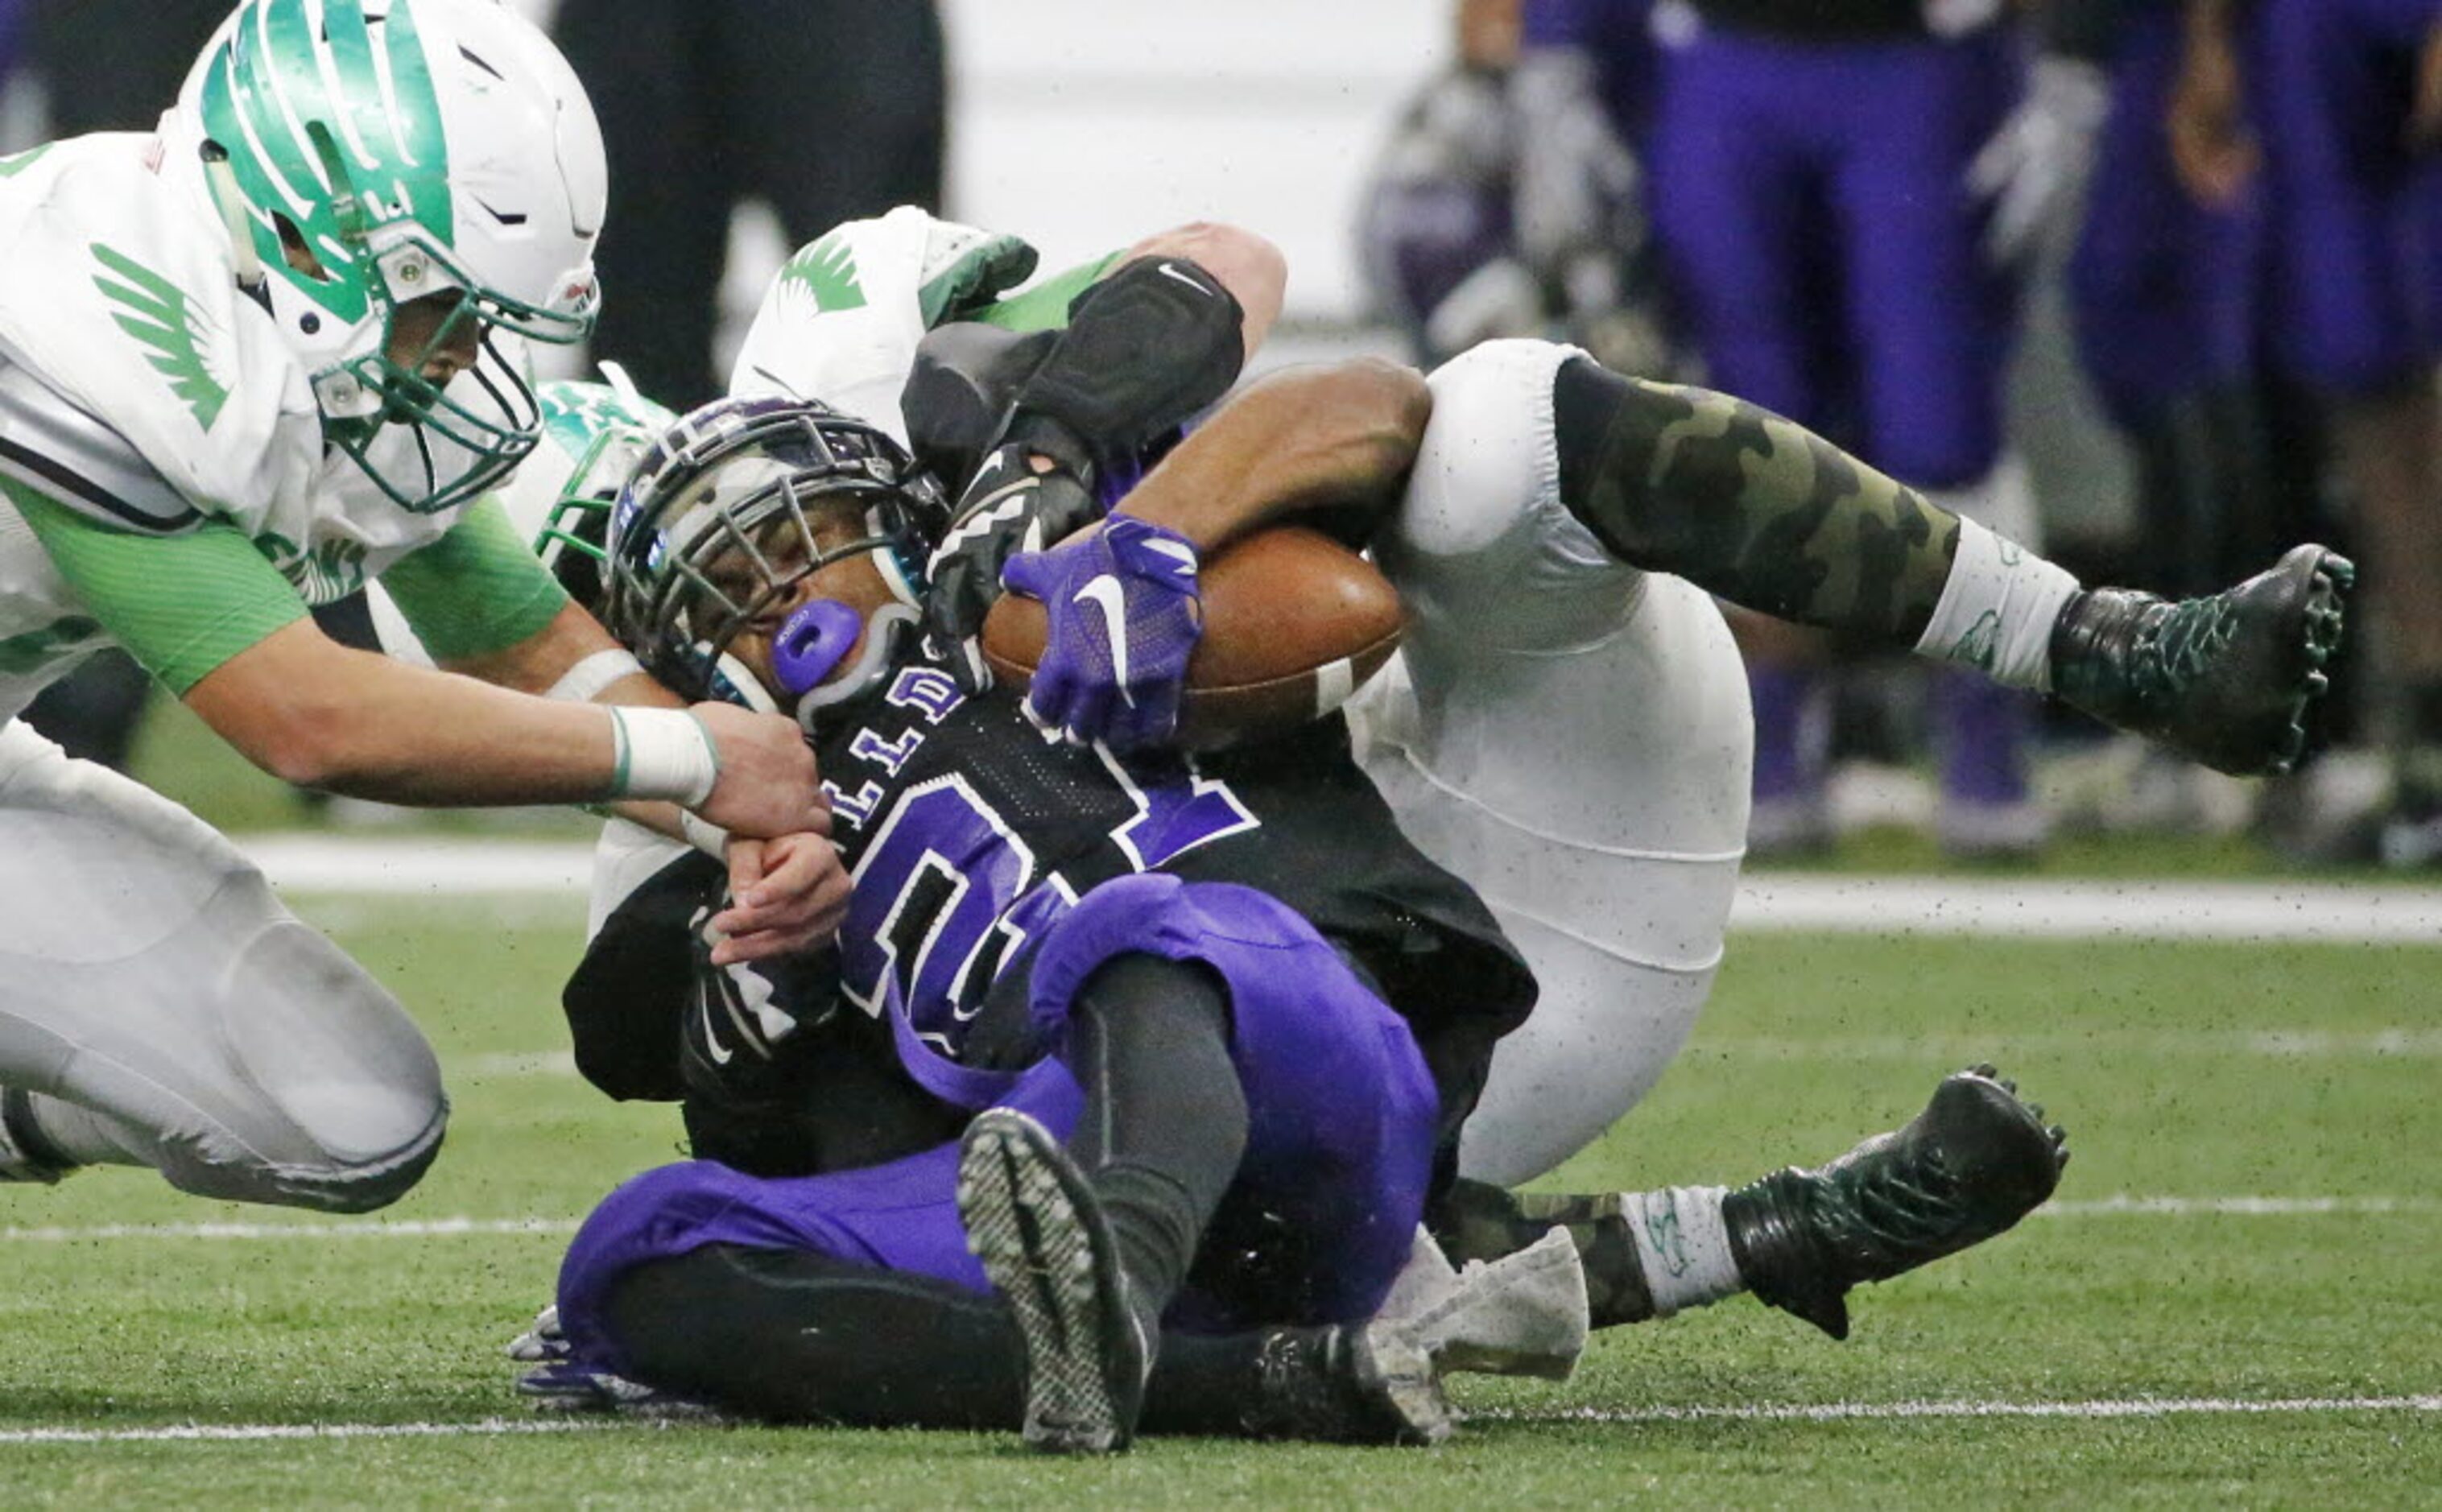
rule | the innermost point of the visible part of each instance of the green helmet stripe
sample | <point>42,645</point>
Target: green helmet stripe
<point>349,55</point>
<point>281,77</point>
<point>416,126</point>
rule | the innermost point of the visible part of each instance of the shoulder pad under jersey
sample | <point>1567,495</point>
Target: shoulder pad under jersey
<point>54,444</point>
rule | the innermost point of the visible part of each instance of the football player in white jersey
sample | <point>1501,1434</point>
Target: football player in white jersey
<point>246,363</point>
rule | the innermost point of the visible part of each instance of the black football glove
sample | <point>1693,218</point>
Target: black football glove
<point>1007,508</point>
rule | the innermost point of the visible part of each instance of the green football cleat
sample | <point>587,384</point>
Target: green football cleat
<point>1974,1161</point>
<point>1035,1225</point>
<point>2225,680</point>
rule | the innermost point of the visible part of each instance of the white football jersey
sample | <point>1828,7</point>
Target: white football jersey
<point>140,387</point>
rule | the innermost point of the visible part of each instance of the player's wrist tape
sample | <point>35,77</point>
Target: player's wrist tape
<point>585,682</point>
<point>703,834</point>
<point>662,753</point>
<point>1997,610</point>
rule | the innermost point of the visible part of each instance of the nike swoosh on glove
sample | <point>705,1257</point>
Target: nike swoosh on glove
<point>1124,615</point>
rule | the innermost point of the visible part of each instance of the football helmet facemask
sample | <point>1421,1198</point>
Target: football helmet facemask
<point>730,511</point>
<point>559,499</point>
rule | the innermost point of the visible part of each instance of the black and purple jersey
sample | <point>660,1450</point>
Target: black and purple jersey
<point>969,834</point>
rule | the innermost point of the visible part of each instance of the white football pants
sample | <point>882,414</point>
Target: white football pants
<point>1570,734</point>
<point>147,975</point>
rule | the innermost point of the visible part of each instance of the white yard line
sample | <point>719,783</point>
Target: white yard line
<point>2276,1044</point>
<point>348,866</point>
<point>1886,1412</point>
<point>260,1432</point>
<point>407,1229</point>
<point>2117,1205</point>
<point>2124,1205</point>
<point>1750,1412</point>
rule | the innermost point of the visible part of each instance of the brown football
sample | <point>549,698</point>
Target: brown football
<point>1294,623</point>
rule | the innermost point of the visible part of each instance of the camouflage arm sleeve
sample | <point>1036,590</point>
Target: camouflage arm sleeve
<point>475,590</point>
<point>182,604</point>
<point>1749,506</point>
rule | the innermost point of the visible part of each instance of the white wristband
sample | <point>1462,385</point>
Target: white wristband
<point>663,754</point>
<point>584,681</point>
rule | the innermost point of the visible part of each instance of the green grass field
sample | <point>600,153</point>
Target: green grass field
<point>2193,1072</point>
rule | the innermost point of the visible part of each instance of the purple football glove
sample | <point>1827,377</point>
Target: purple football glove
<point>1125,617</point>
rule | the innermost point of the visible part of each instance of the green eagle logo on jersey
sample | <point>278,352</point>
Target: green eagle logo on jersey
<point>826,272</point>
<point>157,314</point>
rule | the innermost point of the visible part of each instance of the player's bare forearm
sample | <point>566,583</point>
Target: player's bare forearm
<point>1757,509</point>
<point>1333,442</point>
<point>321,715</point>
<point>536,664</point>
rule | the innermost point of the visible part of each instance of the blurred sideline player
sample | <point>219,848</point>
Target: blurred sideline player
<point>721,101</point>
<point>2339,102</point>
<point>245,365</point>
<point>1840,195</point>
<point>1505,204</point>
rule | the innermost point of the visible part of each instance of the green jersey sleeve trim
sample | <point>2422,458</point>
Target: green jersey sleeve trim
<point>181,605</point>
<point>1044,307</point>
<point>477,589</point>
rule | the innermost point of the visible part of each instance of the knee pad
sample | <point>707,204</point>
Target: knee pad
<point>341,1065</point>
<point>1482,549</point>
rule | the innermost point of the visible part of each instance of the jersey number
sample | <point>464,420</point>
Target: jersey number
<point>948,890</point>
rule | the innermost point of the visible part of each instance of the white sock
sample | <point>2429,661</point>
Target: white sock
<point>1683,1246</point>
<point>1998,608</point>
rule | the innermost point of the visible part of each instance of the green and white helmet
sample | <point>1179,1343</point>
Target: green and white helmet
<point>593,436</point>
<point>369,152</point>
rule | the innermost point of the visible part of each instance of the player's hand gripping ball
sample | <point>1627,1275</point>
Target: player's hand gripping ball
<point>1294,623</point>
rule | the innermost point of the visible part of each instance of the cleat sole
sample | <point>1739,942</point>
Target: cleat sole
<point>1026,1219</point>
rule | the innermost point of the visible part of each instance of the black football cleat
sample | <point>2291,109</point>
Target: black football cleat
<point>2227,678</point>
<point>1347,1385</point>
<point>1036,1226</point>
<point>1974,1161</point>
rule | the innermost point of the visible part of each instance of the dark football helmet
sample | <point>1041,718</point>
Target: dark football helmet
<point>718,526</point>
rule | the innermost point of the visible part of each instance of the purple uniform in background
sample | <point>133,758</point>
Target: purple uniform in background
<point>1343,1118</point>
<point>1618,36</point>
<point>1811,203</point>
<point>2164,294</point>
<point>2359,213</point>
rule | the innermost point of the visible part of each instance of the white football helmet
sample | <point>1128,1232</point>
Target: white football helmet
<point>369,152</point>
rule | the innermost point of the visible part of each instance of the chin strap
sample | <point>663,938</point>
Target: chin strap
<point>221,180</point>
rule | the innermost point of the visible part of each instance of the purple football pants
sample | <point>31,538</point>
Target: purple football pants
<point>1340,1150</point>
<point>2359,215</point>
<point>1812,204</point>
<point>2164,294</point>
